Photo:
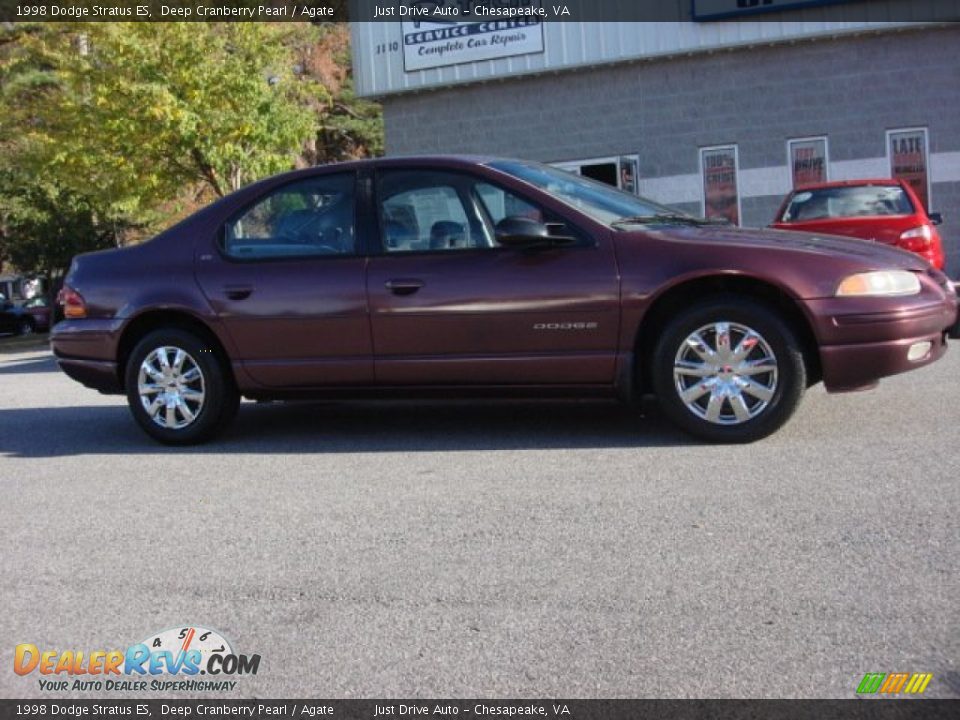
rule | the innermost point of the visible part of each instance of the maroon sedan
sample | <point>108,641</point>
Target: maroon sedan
<point>465,276</point>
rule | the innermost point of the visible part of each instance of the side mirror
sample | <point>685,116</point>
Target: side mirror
<point>936,218</point>
<point>520,232</point>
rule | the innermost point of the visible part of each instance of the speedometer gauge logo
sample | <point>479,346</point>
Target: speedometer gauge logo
<point>183,640</point>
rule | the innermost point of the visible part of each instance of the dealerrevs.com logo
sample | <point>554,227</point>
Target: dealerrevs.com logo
<point>170,660</point>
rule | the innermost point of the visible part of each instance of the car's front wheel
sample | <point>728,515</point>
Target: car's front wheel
<point>177,388</point>
<point>729,369</point>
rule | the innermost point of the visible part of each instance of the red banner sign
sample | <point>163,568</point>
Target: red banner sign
<point>720,184</point>
<point>808,161</point>
<point>908,161</point>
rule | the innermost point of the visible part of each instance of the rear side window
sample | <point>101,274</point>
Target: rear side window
<point>312,217</point>
<point>845,202</point>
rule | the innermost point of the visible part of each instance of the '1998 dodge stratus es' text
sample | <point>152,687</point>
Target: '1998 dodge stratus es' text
<point>472,276</point>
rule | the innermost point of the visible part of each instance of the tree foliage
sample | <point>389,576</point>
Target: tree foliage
<point>44,227</point>
<point>138,110</point>
<point>110,127</point>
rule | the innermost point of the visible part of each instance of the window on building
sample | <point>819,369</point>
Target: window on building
<point>719,173</point>
<point>809,161</point>
<point>619,172</point>
<point>910,161</point>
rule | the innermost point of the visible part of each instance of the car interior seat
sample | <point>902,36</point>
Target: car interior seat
<point>446,235</point>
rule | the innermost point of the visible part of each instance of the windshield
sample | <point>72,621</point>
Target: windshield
<point>601,202</point>
<point>847,201</point>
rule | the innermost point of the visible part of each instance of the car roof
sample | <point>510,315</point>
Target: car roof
<point>404,160</point>
<point>396,161</point>
<point>848,183</point>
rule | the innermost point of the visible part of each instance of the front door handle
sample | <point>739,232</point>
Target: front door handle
<point>238,292</point>
<point>404,287</point>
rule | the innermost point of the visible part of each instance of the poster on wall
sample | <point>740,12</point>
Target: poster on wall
<point>808,161</point>
<point>908,160</point>
<point>438,44</point>
<point>720,198</point>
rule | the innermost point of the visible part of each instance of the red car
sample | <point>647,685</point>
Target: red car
<point>467,276</point>
<point>887,211</point>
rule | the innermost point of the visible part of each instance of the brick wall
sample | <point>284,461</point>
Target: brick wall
<point>851,89</point>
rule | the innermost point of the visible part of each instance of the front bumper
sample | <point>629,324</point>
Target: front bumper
<point>855,367</point>
<point>863,340</point>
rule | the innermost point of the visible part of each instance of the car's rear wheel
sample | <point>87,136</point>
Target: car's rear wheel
<point>24,327</point>
<point>729,370</point>
<point>177,388</point>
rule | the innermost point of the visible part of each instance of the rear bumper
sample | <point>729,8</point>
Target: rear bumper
<point>97,374</point>
<point>83,349</point>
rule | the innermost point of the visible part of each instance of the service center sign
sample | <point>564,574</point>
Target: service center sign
<point>438,44</point>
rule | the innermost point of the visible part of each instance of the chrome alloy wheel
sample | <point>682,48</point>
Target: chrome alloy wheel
<point>171,387</point>
<point>725,373</point>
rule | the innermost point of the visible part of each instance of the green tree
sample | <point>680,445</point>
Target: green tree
<point>43,227</point>
<point>141,110</point>
<point>350,127</point>
<point>115,129</point>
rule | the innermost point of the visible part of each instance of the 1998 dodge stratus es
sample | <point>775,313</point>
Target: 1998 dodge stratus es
<point>459,276</point>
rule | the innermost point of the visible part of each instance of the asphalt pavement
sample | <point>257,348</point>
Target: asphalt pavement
<point>489,549</point>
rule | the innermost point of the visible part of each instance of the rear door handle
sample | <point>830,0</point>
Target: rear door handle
<point>238,292</point>
<point>404,287</point>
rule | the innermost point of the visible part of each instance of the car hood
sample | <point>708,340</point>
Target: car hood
<point>863,251</point>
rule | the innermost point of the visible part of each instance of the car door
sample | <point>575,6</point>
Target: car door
<point>450,306</point>
<point>287,282</point>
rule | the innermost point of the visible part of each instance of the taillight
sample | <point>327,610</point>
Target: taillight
<point>916,239</point>
<point>72,302</point>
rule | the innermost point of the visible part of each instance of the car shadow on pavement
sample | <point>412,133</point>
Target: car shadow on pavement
<point>348,427</point>
<point>47,363</point>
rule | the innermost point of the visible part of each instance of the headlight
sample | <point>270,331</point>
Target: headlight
<point>880,283</point>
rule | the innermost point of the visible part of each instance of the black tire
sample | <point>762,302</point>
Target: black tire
<point>25,327</point>
<point>220,396</point>
<point>787,385</point>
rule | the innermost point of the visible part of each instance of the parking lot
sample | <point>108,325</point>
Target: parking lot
<point>493,550</point>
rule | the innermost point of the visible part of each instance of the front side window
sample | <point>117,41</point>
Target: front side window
<point>845,202</point>
<point>500,204</point>
<point>427,212</point>
<point>430,211</point>
<point>312,217</point>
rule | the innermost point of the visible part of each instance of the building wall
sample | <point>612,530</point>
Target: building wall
<point>851,89</point>
<point>384,63</point>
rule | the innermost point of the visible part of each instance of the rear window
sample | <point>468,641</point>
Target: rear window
<point>841,202</point>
